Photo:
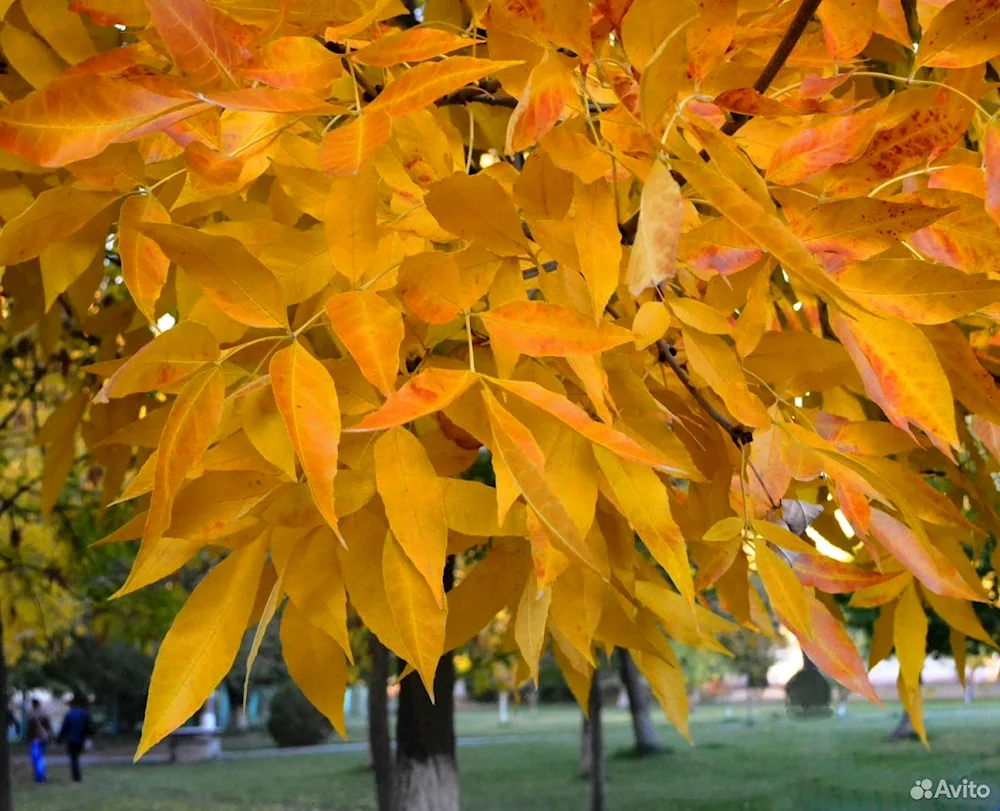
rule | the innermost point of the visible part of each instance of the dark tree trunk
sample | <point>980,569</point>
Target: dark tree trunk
<point>426,773</point>
<point>646,739</point>
<point>237,721</point>
<point>904,730</point>
<point>6,797</point>
<point>585,754</point>
<point>598,785</point>
<point>379,743</point>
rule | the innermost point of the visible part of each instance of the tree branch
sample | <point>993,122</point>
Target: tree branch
<point>779,57</point>
<point>739,433</point>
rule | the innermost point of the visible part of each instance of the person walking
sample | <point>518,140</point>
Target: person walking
<point>76,728</point>
<point>39,729</point>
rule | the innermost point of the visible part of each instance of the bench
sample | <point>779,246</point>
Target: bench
<point>207,737</point>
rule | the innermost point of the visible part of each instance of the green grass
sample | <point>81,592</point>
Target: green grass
<point>777,764</point>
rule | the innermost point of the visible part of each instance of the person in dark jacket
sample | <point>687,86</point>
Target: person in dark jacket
<point>39,729</point>
<point>77,726</point>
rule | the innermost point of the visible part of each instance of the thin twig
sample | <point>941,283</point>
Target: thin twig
<point>739,433</point>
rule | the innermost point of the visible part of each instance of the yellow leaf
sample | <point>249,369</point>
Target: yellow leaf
<point>425,393</point>
<point>316,664</point>
<point>661,214</point>
<point>702,317</point>
<point>961,36</point>
<point>347,149</point>
<point>458,202</point>
<point>960,616</point>
<point>307,399</point>
<point>910,636</point>
<point>529,624</point>
<point>430,286</point>
<point>787,596</point>
<point>667,684</point>
<point>643,500</point>
<point>576,608</point>
<point>265,428</point>
<point>169,358</point>
<point>350,222</point>
<point>156,560</point>
<point>549,89</point>
<point>519,452</point>
<point>414,504</point>
<point>59,437</point>
<point>229,275</point>
<point>724,530</point>
<point>413,45</point>
<point>61,28</point>
<point>493,584</point>
<point>420,620</point>
<point>595,230</point>
<point>714,362</point>
<point>186,435</point>
<point>471,508</point>
<point>650,324</point>
<point>202,643</point>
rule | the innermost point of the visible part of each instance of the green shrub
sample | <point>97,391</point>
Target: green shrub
<point>294,721</point>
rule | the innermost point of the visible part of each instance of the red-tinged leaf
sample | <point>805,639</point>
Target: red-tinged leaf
<point>539,329</point>
<point>295,63</point>
<point>76,117</point>
<point>307,399</point>
<point>271,100</point>
<point>421,86</point>
<point>918,292</point>
<point>372,330</point>
<point>890,22</point>
<point>901,373</point>
<point>661,214</point>
<point>346,149</point>
<point>927,564</point>
<point>834,653</point>
<point>199,40</point>
<point>132,13</point>
<point>549,89</point>
<point>747,101</point>
<point>848,25</point>
<point>988,433</point>
<point>972,385</point>
<point>597,432</point>
<point>834,577</point>
<point>518,450</point>
<point>719,246</point>
<point>967,239</point>
<point>815,87</point>
<point>189,429</point>
<point>991,159</point>
<point>836,140</point>
<point>170,357</point>
<point>232,277</point>
<point>414,45</point>
<point>963,34</point>
<point>426,393</point>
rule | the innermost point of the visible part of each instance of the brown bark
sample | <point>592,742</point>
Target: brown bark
<point>6,796</point>
<point>598,783</point>
<point>586,758</point>
<point>379,742</point>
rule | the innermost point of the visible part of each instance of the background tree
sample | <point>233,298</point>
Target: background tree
<point>354,254</point>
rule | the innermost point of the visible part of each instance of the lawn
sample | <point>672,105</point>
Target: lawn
<point>530,765</point>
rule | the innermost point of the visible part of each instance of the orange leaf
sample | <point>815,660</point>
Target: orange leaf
<point>372,331</point>
<point>197,36</point>
<point>848,25</point>
<point>963,34</point>
<point>420,86</point>
<point>539,329</point>
<point>430,285</point>
<point>834,653</point>
<point>595,231</point>
<point>457,202</point>
<point>549,89</point>
<point>346,149</point>
<point>414,45</point>
<point>929,565</point>
<point>835,577</point>
<point>144,265</point>
<point>427,392</point>
<point>186,435</point>
<point>307,399</point>
<point>991,159</point>
<point>76,117</point>
<point>271,100</point>
<point>295,62</point>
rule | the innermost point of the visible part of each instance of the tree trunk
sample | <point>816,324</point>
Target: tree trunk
<point>585,754</point>
<point>237,717</point>
<point>6,798</point>
<point>598,785</point>
<point>426,773</point>
<point>379,743</point>
<point>646,739</point>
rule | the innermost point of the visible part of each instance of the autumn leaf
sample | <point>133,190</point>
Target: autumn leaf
<point>549,90</point>
<point>307,399</point>
<point>425,393</point>
<point>144,264</point>
<point>962,36</point>
<point>414,45</point>
<point>198,40</point>
<point>539,329</point>
<point>661,212</point>
<point>346,149</point>
<point>595,228</point>
<point>372,331</point>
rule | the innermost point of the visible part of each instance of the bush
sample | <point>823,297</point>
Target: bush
<point>294,721</point>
